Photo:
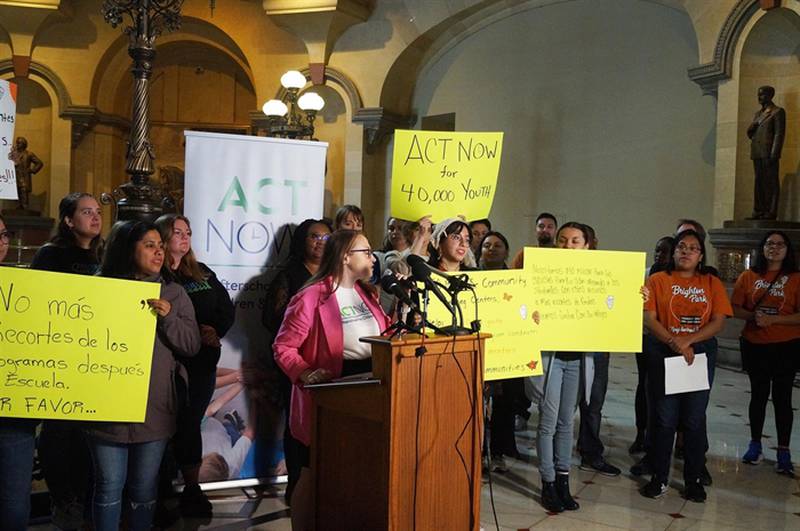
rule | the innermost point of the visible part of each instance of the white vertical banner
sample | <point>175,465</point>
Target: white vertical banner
<point>243,196</point>
<point>8,112</point>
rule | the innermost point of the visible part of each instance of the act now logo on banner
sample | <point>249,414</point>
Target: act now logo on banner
<point>242,189</point>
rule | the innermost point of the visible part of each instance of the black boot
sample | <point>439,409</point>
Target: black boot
<point>550,499</point>
<point>562,489</point>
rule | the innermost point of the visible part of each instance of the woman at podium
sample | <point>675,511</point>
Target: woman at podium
<point>319,337</point>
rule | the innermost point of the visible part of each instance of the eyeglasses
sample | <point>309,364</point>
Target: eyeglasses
<point>690,249</point>
<point>319,237</point>
<point>775,244</point>
<point>366,250</point>
<point>459,240</point>
<point>6,236</point>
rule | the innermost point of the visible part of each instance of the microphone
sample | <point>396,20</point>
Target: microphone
<point>398,287</point>
<point>422,272</point>
<point>456,282</point>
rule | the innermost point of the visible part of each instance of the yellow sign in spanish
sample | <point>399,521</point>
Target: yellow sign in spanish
<point>588,301</point>
<point>443,174</point>
<point>74,347</point>
<point>505,312</point>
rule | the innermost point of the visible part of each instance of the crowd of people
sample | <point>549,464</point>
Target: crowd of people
<point>326,296</point>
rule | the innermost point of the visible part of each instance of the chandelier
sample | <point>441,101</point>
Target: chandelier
<point>283,118</point>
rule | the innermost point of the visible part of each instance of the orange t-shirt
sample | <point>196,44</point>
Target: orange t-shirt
<point>685,305</point>
<point>781,300</point>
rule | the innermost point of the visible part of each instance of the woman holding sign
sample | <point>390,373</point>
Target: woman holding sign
<point>215,313</point>
<point>686,310</point>
<point>65,459</point>
<point>17,443</point>
<point>559,388</point>
<point>127,456</point>
<point>319,337</point>
<point>766,297</point>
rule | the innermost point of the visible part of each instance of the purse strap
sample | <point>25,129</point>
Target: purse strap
<point>766,292</point>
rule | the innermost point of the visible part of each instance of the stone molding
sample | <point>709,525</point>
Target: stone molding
<point>710,74</point>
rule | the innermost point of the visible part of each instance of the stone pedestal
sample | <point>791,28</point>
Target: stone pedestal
<point>735,247</point>
<point>30,233</point>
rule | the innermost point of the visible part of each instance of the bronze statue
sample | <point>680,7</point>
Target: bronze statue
<point>26,164</point>
<point>766,134</point>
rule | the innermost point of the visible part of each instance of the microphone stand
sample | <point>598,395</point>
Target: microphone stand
<point>456,328</point>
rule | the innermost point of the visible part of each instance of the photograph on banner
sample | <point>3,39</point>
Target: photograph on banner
<point>505,313</point>
<point>588,301</point>
<point>71,352</point>
<point>442,174</point>
<point>244,197</point>
<point>8,110</point>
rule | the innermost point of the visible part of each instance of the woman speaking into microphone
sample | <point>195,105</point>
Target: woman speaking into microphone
<point>319,337</point>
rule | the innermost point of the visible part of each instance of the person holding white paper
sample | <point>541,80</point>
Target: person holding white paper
<point>767,297</point>
<point>686,309</point>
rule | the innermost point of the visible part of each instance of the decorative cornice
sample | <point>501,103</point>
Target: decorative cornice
<point>85,117</point>
<point>710,74</point>
<point>379,123</point>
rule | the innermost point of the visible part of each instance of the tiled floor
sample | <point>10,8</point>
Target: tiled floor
<point>742,496</point>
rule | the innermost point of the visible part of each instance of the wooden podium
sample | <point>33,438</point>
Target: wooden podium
<point>402,450</point>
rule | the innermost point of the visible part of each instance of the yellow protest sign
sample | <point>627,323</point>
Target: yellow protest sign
<point>504,312</point>
<point>74,347</point>
<point>444,174</point>
<point>588,301</point>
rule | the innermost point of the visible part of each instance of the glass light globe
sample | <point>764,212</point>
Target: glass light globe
<point>293,79</point>
<point>275,108</point>
<point>311,101</point>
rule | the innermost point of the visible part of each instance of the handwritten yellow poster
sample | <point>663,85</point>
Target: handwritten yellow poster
<point>74,347</point>
<point>588,301</point>
<point>504,312</point>
<point>444,174</point>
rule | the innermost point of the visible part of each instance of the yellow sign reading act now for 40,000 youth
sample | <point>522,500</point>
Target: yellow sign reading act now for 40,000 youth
<point>444,174</point>
<point>74,347</point>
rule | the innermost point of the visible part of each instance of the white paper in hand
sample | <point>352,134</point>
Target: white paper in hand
<point>679,377</point>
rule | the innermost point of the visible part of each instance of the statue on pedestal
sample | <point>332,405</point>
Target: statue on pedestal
<point>26,164</point>
<point>766,134</point>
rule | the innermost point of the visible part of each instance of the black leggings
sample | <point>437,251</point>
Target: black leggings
<point>771,367</point>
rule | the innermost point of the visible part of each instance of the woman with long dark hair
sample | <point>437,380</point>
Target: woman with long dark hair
<point>214,313</point>
<point>686,309</point>
<point>450,246</point>
<point>127,455</point>
<point>766,297</point>
<point>319,336</point>
<point>305,256</point>
<point>64,456</point>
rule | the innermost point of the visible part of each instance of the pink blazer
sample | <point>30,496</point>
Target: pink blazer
<point>311,337</point>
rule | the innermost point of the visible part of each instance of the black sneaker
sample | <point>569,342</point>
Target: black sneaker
<point>642,468</point>
<point>695,492</point>
<point>705,477</point>
<point>655,489</point>
<point>601,466</point>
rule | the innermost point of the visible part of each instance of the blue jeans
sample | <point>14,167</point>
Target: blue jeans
<point>685,409</point>
<point>557,414</point>
<point>17,443</point>
<point>117,466</point>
